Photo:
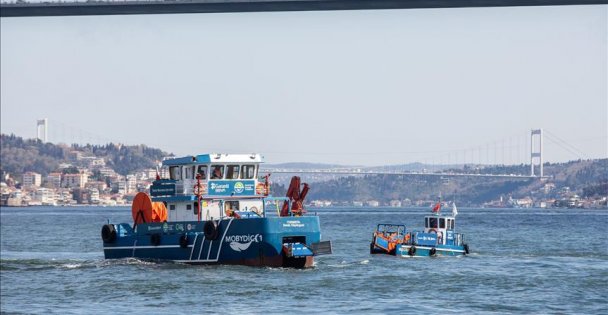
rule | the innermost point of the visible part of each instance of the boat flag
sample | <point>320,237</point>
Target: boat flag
<point>437,207</point>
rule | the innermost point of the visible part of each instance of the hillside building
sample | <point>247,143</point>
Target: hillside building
<point>31,179</point>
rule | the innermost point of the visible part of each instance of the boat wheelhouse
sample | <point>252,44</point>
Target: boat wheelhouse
<point>215,209</point>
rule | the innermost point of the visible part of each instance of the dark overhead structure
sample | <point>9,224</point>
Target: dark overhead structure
<point>93,7</point>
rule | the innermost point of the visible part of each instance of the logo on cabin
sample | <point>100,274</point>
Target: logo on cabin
<point>240,243</point>
<point>239,187</point>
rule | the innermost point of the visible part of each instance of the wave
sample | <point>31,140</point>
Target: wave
<point>20,264</point>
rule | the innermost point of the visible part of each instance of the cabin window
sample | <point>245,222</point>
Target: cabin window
<point>188,172</point>
<point>232,205</point>
<point>188,207</point>
<point>451,224</point>
<point>248,172</point>
<point>432,223</point>
<point>218,172</point>
<point>171,207</point>
<point>426,222</point>
<point>442,223</point>
<point>195,207</point>
<point>232,172</point>
<point>175,173</point>
<point>202,170</point>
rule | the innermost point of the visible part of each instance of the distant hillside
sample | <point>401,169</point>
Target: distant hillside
<point>20,155</point>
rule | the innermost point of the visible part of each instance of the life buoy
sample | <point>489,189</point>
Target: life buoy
<point>155,239</point>
<point>260,189</point>
<point>432,252</point>
<point>412,251</point>
<point>183,241</point>
<point>199,189</point>
<point>108,233</point>
<point>210,230</point>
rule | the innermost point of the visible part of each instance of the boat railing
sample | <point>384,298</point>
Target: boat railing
<point>277,204</point>
<point>458,239</point>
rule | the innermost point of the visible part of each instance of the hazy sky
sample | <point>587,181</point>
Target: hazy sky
<point>351,87</point>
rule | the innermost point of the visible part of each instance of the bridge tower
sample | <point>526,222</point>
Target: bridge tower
<point>536,151</point>
<point>42,129</point>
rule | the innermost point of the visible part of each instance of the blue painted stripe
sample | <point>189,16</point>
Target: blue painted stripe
<point>175,198</point>
<point>179,161</point>
<point>203,158</point>
<point>188,160</point>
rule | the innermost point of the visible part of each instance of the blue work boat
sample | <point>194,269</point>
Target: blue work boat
<point>438,238</point>
<point>213,209</point>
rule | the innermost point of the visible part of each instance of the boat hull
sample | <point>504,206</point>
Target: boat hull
<point>251,242</point>
<point>440,250</point>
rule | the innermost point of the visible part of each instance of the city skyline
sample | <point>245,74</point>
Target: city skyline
<point>360,88</point>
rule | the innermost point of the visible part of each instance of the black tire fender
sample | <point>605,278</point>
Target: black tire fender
<point>155,239</point>
<point>433,251</point>
<point>210,229</point>
<point>183,241</point>
<point>466,249</point>
<point>412,250</point>
<point>108,233</point>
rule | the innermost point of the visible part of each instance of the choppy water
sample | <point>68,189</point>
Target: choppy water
<point>522,261</point>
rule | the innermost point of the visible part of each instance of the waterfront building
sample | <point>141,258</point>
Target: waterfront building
<point>131,184</point>
<point>395,203</point>
<point>93,196</point>
<point>31,179</point>
<point>54,179</point>
<point>121,187</point>
<point>99,185</point>
<point>373,203</point>
<point>44,196</point>
<point>75,180</point>
<point>107,172</point>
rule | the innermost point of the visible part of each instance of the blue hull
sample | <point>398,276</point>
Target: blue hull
<point>253,242</point>
<point>440,250</point>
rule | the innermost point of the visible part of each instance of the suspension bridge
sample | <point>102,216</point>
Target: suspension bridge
<point>516,152</point>
<point>454,163</point>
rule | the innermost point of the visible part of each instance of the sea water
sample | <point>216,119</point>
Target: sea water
<point>522,261</point>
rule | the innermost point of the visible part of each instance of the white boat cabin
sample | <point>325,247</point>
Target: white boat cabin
<point>440,224</point>
<point>223,183</point>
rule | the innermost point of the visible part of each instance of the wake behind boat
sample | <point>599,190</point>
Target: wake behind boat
<point>438,238</point>
<point>213,210</point>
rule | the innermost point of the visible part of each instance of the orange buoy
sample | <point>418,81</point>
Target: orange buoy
<point>260,189</point>
<point>144,210</point>
<point>159,212</point>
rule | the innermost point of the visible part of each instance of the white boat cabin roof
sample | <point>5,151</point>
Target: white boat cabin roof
<point>214,158</point>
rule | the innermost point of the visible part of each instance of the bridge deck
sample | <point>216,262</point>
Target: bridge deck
<point>219,6</point>
<point>350,172</point>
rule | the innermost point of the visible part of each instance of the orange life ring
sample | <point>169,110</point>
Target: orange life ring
<point>199,189</point>
<point>260,189</point>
